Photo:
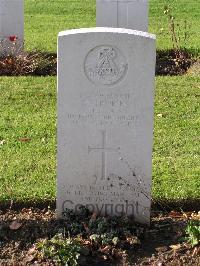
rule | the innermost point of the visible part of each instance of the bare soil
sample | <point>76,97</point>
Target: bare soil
<point>173,62</point>
<point>169,62</point>
<point>162,244</point>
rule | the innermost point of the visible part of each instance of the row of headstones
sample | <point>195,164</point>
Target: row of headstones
<point>130,14</point>
<point>105,110</point>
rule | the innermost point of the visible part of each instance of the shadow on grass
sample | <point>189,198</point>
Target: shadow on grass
<point>165,205</point>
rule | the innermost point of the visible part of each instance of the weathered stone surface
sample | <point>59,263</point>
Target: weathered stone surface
<point>11,26</point>
<point>130,14</point>
<point>105,121</point>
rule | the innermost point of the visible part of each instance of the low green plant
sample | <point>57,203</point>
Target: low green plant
<point>99,226</point>
<point>105,239</point>
<point>109,239</point>
<point>193,232</point>
<point>63,251</point>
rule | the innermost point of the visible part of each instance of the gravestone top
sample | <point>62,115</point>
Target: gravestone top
<point>107,30</point>
<point>105,121</point>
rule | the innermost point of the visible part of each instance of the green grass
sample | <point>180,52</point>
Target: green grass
<point>28,108</point>
<point>176,157</point>
<point>44,19</point>
<point>27,170</point>
<point>183,11</point>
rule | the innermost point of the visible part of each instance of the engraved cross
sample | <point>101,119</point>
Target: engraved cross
<point>103,149</point>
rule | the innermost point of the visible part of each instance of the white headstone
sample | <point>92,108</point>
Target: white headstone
<point>105,121</point>
<point>11,26</point>
<point>130,14</point>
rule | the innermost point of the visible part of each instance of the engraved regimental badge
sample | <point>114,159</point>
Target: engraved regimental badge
<point>105,65</point>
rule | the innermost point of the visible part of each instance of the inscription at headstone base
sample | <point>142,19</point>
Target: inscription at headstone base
<point>130,14</point>
<point>105,121</point>
<point>11,26</point>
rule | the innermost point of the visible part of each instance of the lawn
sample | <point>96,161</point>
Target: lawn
<point>28,109</point>
<point>28,127</point>
<point>28,142</point>
<point>44,19</point>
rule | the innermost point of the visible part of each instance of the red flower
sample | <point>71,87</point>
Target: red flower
<point>13,38</point>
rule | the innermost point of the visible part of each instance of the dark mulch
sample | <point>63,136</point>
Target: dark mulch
<point>29,63</point>
<point>169,62</point>
<point>158,245</point>
<point>173,62</point>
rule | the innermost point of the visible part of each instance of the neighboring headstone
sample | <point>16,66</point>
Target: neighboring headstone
<point>130,14</point>
<point>105,121</point>
<point>11,26</point>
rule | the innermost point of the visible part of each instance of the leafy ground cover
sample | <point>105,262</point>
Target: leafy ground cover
<point>28,139</point>
<point>35,237</point>
<point>44,19</point>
